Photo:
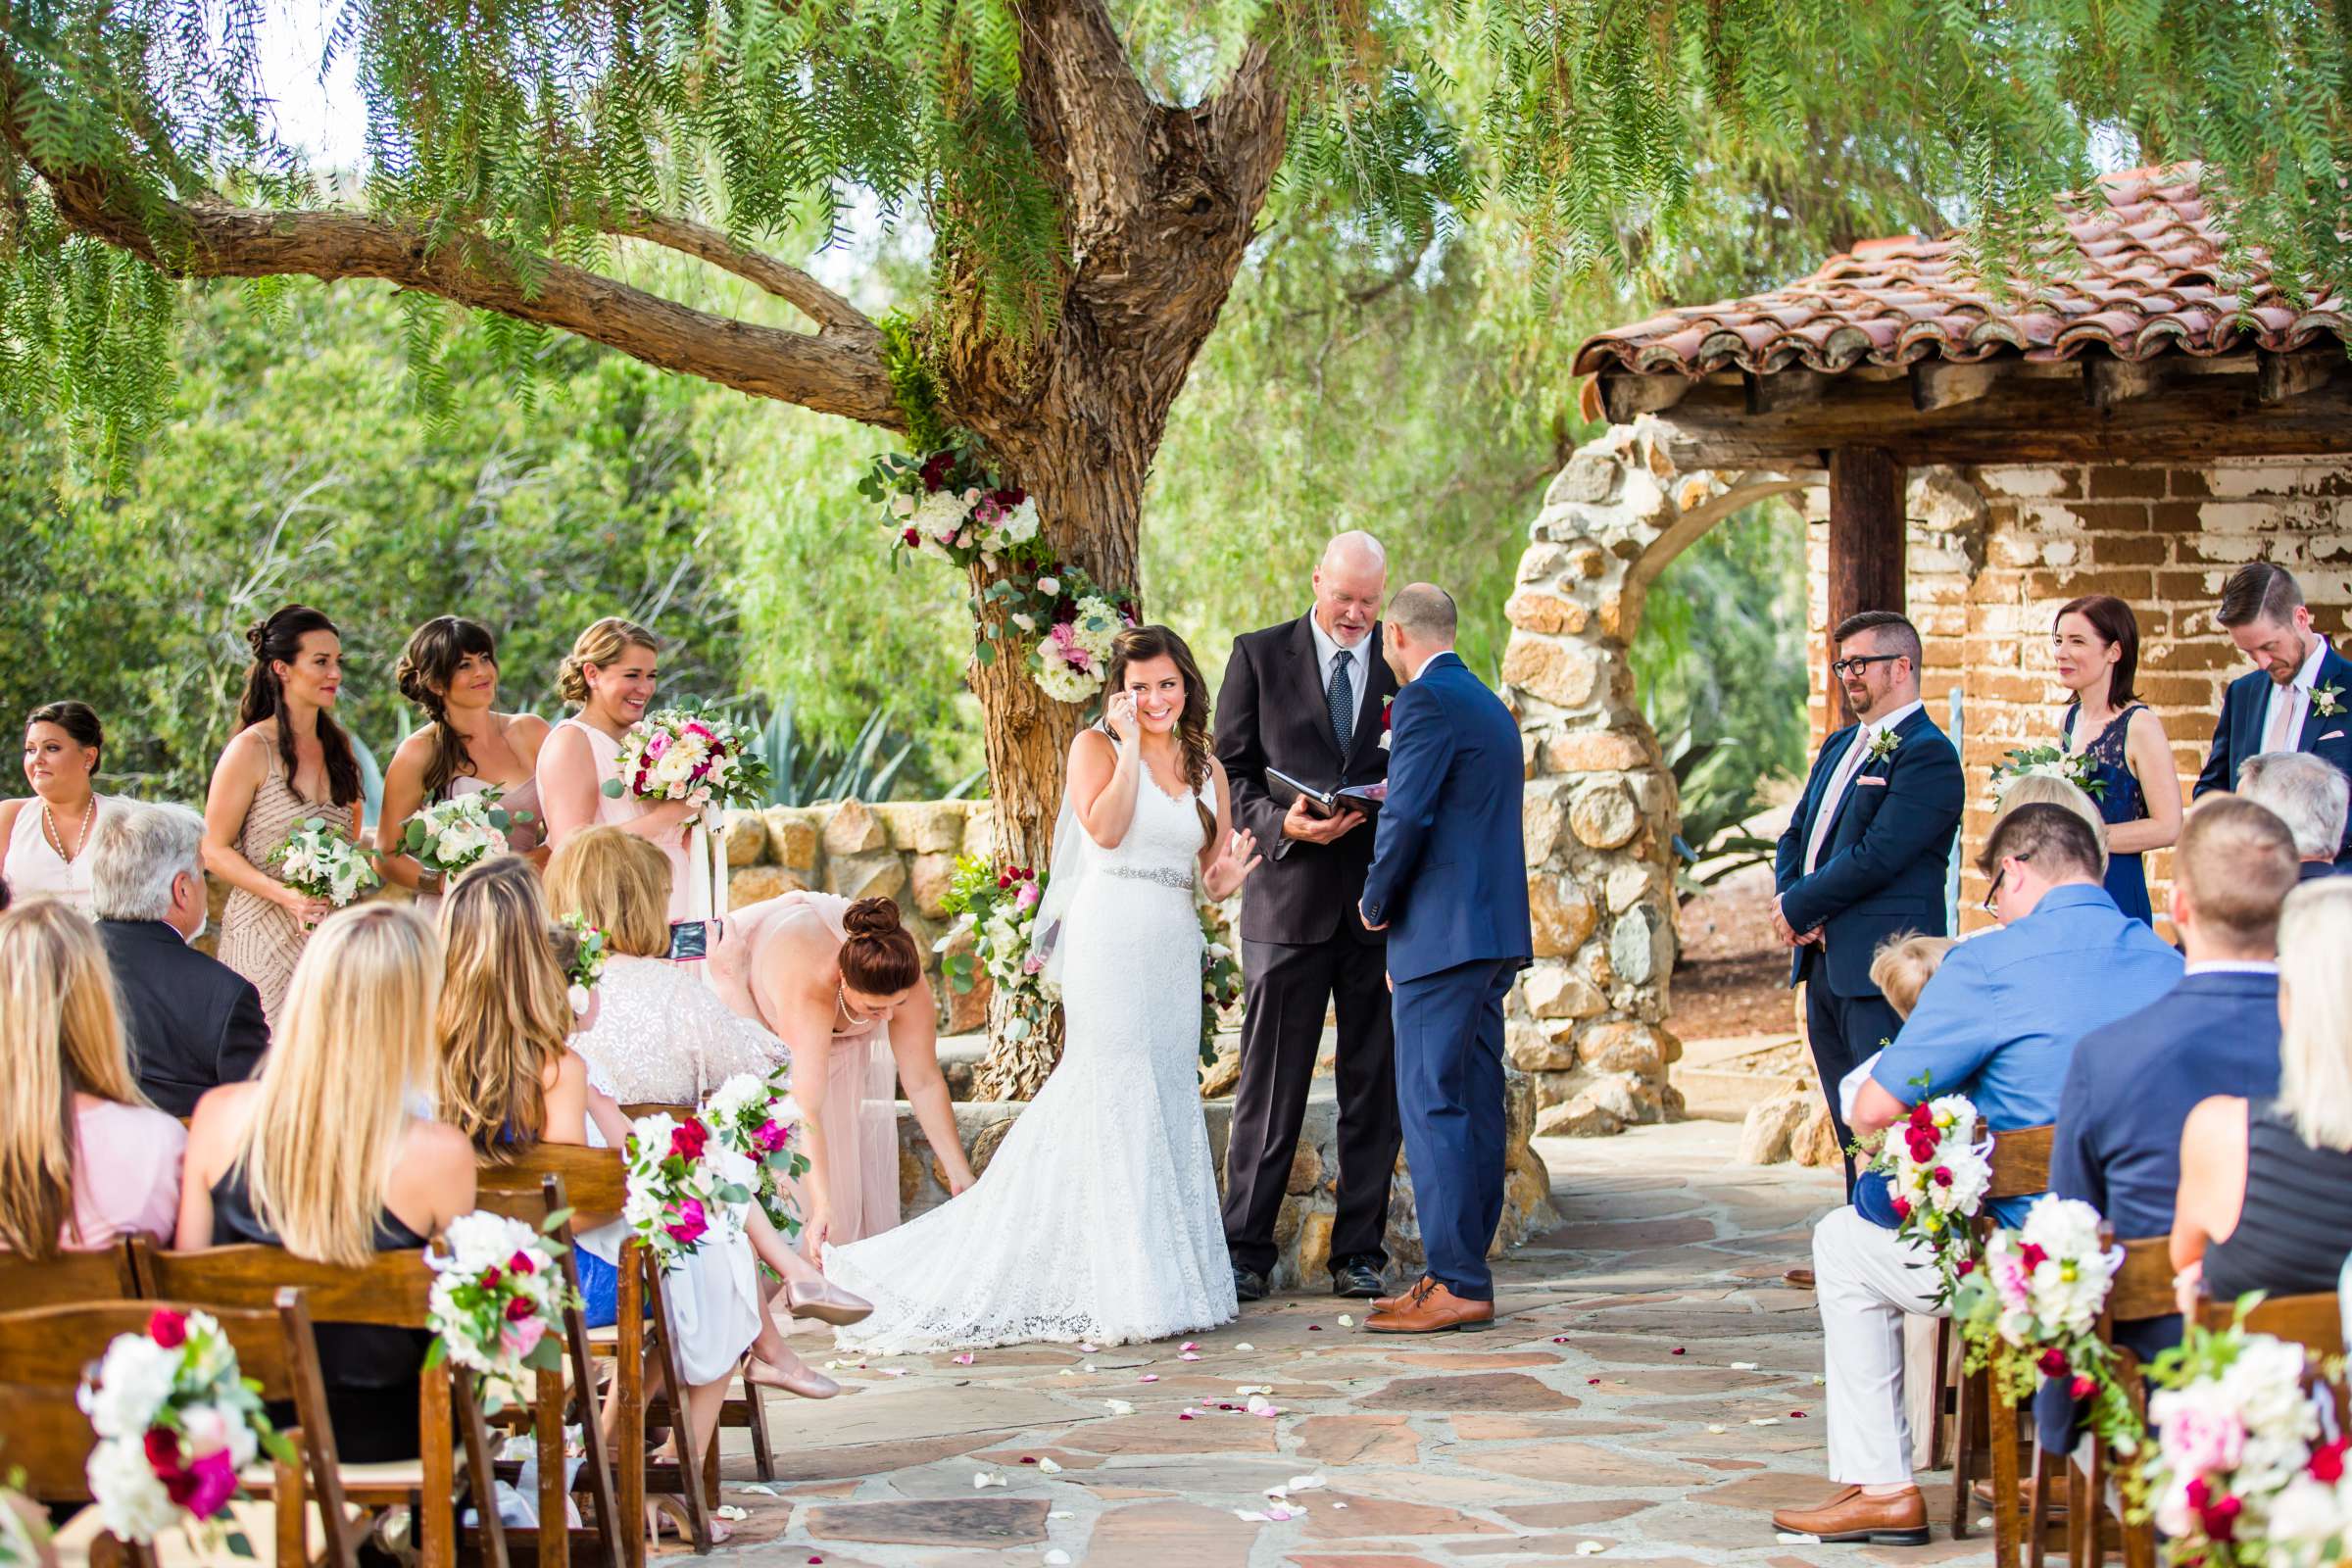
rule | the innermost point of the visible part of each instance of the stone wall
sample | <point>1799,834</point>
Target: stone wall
<point>1588,1021</point>
<point>899,850</point>
<point>1993,552</point>
<point>1303,1231</point>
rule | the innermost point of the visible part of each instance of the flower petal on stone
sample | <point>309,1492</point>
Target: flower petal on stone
<point>1244,1346</point>
<point>1589,1548</point>
<point>1190,1356</point>
<point>1763,1420</point>
<point>1148,1377</point>
<point>1788,1538</point>
<point>982,1480</point>
<point>1057,1557</point>
<point>1085,1349</point>
<point>1346,1321</point>
<point>1715,1429</point>
<point>1315,1483</point>
<point>1045,1466</point>
<point>1118,1407</point>
<point>731,1513</point>
<point>964,1360</point>
<point>1744,1366</point>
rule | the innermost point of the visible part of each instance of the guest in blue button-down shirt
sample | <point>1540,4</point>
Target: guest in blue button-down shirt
<point>1999,1024</point>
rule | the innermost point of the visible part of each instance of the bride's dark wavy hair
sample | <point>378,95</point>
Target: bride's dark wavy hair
<point>1135,646</point>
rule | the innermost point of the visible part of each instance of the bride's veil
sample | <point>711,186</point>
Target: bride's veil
<point>1073,847</point>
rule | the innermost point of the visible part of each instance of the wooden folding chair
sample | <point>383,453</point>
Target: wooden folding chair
<point>392,1291</point>
<point>2314,1321</point>
<point>744,1409</point>
<point>596,1180</point>
<point>557,1544</point>
<point>2021,1168</point>
<point>104,1275</point>
<point>43,1355</point>
<point>2142,1288</point>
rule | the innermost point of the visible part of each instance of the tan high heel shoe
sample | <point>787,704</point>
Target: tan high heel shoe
<point>803,1380</point>
<point>827,1303</point>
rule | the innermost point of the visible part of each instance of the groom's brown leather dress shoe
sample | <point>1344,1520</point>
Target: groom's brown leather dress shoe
<point>1431,1308</point>
<point>1854,1516</point>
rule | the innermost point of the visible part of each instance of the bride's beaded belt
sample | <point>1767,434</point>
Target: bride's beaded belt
<point>1168,876</point>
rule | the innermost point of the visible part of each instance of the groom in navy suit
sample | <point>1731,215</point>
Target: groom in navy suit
<point>1450,874</point>
<point>1864,859</point>
<point>2299,696</point>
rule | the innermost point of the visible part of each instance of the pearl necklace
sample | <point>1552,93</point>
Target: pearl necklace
<point>56,839</point>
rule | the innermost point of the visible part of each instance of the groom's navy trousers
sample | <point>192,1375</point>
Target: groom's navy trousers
<point>1450,1089</point>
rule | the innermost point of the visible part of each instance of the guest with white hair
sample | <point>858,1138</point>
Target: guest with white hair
<point>192,1021</point>
<point>2307,792</point>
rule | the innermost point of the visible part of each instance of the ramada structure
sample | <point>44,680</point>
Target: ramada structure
<point>2149,414</point>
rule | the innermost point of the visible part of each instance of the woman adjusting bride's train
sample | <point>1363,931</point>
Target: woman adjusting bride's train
<point>1098,1218</point>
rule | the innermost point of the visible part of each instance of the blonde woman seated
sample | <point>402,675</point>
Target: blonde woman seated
<point>842,983</point>
<point>2041,789</point>
<point>2260,1206</point>
<point>84,1157</point>
<point>659,1035</point>
<point>510,1082</point>
<point>322,1156</point>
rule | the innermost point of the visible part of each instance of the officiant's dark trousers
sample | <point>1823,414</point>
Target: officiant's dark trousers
<point>1287,989</point>
<point>1449,1086</point>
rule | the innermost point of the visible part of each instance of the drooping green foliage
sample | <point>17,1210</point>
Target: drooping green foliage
<point>1612,137</point>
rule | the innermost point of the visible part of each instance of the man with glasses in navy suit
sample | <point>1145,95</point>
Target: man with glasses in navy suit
<point>2298,697</point>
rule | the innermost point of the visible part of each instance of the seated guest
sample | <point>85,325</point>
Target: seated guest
<point>2309,795</point>
<point>2133,1082</point>
<point>320,1156</point>
<point>194,1023</point>
<point>84,1157</point>
<point>1999,1024</point>
<point>2261,1201</point>
<point>2042,789</point>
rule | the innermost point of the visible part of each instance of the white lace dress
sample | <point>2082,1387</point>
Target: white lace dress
<point>1096,1220</point>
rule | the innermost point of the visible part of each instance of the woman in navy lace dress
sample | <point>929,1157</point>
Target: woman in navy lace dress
<point>2096,644</point>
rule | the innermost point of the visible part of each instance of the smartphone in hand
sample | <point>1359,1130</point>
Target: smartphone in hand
<point>688,939</point>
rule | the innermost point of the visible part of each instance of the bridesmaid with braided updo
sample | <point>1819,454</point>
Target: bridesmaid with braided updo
<point>289,762</point>
<point>450,671</point>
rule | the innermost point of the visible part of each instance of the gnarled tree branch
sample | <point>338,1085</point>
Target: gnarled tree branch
<point>834,316</point>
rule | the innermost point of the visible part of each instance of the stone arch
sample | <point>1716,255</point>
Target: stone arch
<point>1588,1018</point>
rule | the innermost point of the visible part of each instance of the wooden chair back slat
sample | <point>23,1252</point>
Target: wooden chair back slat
<point>103,1275</point>
<point>596,1180</point>
<point>2142,1287</point>
<point>391,1290</point>
<point>654,1107</point>
<point>2021,1161</point>
<point>2314,1321</point>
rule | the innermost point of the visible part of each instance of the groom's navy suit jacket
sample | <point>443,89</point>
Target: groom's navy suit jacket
<point>1882,868</point>
<point>1449,865</point>
<point>2238,734</point>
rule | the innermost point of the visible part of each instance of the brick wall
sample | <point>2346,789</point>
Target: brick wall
<point>1994,551</point>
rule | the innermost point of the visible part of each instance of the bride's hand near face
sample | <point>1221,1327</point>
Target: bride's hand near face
<point>1119,713</point>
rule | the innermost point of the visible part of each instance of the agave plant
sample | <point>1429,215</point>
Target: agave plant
<point>803,772</point>
<point>1716,781</point>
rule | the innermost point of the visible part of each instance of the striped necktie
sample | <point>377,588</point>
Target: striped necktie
<point>1342,697</point>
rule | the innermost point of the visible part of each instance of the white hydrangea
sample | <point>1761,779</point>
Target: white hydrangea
<point>135,1379</point>
<point>739,1093</point>
<point>1064,682</point>
<point>131,1501</point>
<point>1095,628</point>
<point>482,1239</point>
<point>940,516</point>
<point>1019,527</point>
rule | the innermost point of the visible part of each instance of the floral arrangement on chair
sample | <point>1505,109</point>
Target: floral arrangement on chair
<point>747,1116</point>
<point>319,862</point>
<point>1937,1179</point>
<point>683,1183</point>
<point>498,1293</point>
<point>175,1422</point>
<point>998,904</point>
<point>2245,1470</point>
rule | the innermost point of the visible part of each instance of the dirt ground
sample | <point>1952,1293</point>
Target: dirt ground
<point>1734,975</point>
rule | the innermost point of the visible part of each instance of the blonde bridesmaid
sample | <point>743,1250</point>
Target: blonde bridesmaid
<point>288,763</point>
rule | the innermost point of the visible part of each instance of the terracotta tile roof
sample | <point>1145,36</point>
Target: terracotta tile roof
<point>2149,282</point>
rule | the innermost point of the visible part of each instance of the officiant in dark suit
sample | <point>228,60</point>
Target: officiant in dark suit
<point>1307,698</point>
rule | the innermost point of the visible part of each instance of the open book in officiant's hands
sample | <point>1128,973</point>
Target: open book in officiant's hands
<point>1362,798</point>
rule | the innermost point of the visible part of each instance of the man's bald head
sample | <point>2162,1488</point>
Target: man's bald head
<point>1348,586</point>
<point>1421,625</point>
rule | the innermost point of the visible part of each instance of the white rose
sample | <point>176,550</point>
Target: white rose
<point>1048,585</point>
<point>901,504</point>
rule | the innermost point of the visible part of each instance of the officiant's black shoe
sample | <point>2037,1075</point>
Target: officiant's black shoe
<point>1360,1280</point>
<point>1248,1284</point>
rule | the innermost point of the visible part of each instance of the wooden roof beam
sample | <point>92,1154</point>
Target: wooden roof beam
<point>1776,391</point>
<point>1625,395</point>
<point>1946,384</point>
<point>2109,382</point>
<point>2279,377</point>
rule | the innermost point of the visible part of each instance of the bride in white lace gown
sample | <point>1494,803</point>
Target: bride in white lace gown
<point>1096,1220</point>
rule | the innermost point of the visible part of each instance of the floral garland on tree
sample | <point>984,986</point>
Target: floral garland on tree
<point>998,904</point>
<point>946,505</point>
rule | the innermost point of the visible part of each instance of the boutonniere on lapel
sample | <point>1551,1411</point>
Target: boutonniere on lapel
<point>1384,723</point>
<point>1882,745</point>
<point>2326,701</point>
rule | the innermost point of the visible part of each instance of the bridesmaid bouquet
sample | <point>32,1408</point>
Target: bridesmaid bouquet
<point>689,754</point>
<point>320,862</point>
<point>682,1184</point>
<point>175,1422</point>
<point>2078,769</point>
<point>749,1115</point>
<point>497,1292</point>
<point>456,835</point>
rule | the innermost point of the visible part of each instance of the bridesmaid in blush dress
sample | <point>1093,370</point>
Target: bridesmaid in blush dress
<point>450,671</point>
<point>842,985</point>
<point>45,837</point>
<point>2095,643</point>
<point>288,763</point>
<point>610,675</point>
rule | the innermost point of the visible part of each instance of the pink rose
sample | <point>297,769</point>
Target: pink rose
<point>207,1483</point>
<point>770,1136</point>
<point>2082,1388</point>
<point>1033,965</point>
<point>167,1328</point>
<point>205,1429</point>
<point>1027,898</point>
<point>521,1263</point>
<point>656,743</point>
<point>690,1224</point>
<point>520,1339</point>
<point>2201,1441</point>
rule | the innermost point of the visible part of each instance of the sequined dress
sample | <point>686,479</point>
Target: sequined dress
<point>260,940</point>
<point>1096,1220</point>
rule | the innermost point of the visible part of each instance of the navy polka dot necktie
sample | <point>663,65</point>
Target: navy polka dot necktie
<point>1342,697</point>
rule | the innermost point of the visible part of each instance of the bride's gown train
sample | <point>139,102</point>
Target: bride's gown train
<point>1098,1219</point>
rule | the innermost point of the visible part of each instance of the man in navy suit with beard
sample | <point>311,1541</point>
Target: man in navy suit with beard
<point>2299,696</point>
<point>1865,856</point>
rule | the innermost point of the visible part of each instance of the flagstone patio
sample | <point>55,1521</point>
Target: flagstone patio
<point>1648,1394</point>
